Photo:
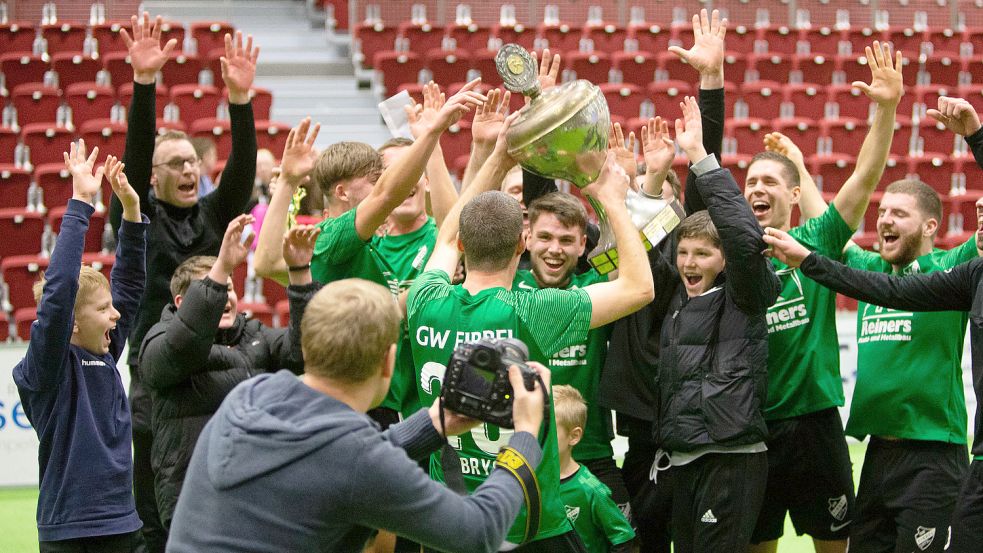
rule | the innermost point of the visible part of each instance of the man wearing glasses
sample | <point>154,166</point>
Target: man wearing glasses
<point>165,174</point>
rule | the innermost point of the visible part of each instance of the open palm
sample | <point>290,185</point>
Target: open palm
<point>707,52</point>
<point>146,55</point>
<point>239,65</point>
<point>886,84</point>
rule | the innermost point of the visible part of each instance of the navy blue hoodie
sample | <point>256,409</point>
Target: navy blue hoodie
<point>75,399</point>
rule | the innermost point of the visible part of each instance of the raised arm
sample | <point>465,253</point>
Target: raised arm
<point>238,177</point>
<point>147,58</point>
<point>298,248</point>
<point>885,89</point>
<point>811,202</point>
<point>52,332</point>
<point>442,191</point>
<point>949,290</point>
<point>659,151</point>
<point>633,288</point>
<point>296,164</point>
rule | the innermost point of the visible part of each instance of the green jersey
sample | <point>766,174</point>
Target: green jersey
<point>594,515</point>
<point>441,316</point>
<point>392,261</point>
<point>803,348</point>
<point>580,366</point>
<point>909,364</point>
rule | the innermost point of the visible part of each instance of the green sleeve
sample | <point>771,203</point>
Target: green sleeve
<point>554,318</point>
<point>859,258</point>
<point>826,234</point>
<point>610,519</point>
<point>431,284</point>
<point>960,254</point>
<point>337,244</point>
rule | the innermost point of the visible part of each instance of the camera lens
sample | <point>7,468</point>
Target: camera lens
<point>481,357</point>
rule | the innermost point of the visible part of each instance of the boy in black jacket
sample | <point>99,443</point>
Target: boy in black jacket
<point>68,380</point>
<point>713,363</point>
<point>202,348</point>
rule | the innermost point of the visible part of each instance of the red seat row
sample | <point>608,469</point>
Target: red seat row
<point>19,36</point>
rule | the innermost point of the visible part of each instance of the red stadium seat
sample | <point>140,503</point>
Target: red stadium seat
<point>448,66</point>
<point>832,170</point>
<point>845,135</point>
<point>261,98</point>
<point>47,142</point>
<point>748,133</point>
<point>175,30</point>
<point>943,69</point>
<point>973,69</point>
<point>89,101</point>
<point>908,40</point>
<point>22,69</point>
<point>524,36</point>
<point>945,40</point>
<point>8,142</point>
<point>804,133</point>
<point>415,90</point>
<point>859,38</point>
<point>73,67</point>
<point>195,101</point>
<point>816,68</point>
<point>55,182</point>
<point>272,136</point>
<point>21,230</point>
<point>456,142</point>
<point>108,36</point>
<point>607,38</point>
<point>181,69</point>
<point>666,95</point>
<point>772,67</point>
<point>936,171</point>
<point>763,99</point>
<point>469,37</point>
<point>650,38</point>
<point>929,94</point>
<point>973,94</point>
<point>14,184</point>
<point>93,237</point>
<point>636,67</point>
<point>64,37</point>
<point>895,169</point>
<point>163,126</point>
<point>371,38</point>
<point>901,141</point>
<point>422,38</point>
<point>735,66</point>
<point>20,272</point>
<point>854,68</point>
<point>483,61</point>
<point>36,103</point>
<point>740,38</point>
<point>259,311</point>
<point>851,101</point>
<point>675,68</point>
<point>807,100</point>
<point>219,130</point>
<point>117,64</point>
<point>624,99</point>
<point>209,35</point>
<point>273,291</point>
<point>109,136</point>
<point>779,39</point>
<point>824,40</point>
<point>592,66</point>
<point>17,38</point>
<point>738,165</point>
<point>562,38</point>
<point>934,137</point>
<point>397,68</point>
<point>162,95</point>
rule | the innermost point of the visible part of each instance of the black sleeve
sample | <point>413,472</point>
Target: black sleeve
<point>712,114</point>
<point>285,343</point>
<point>230,199</point>
<point>975,142</point>
<point>535,186</point>
<point>751,278</point>
<point>949,290</point>
<point>141,130</point>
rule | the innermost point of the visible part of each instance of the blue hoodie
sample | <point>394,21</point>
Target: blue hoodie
<point>283,467</point>
<point>75,399</point>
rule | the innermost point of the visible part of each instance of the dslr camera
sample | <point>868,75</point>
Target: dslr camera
<point>476,383</point>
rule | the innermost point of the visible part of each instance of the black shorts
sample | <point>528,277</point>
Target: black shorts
<point>966,532</point>
<point>651,502</point>
<point>118,543</point>
<point>810,477</point>
<point>715,501</point>
<point>908,491</point>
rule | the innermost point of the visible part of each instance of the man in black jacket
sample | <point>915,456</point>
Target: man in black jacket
<point>166,176</point>
<point>202,348</point>
<point>713,359</point>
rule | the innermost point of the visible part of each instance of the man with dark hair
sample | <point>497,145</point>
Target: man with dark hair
<point>166,177</point>
<point>441,315</point>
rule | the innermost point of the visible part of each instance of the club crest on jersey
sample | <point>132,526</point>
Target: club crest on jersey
<point>572,513</point>
<point>924,537</point>
<point>837,507</point>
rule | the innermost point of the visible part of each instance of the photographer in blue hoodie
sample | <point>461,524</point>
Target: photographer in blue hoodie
<point>290,464</point>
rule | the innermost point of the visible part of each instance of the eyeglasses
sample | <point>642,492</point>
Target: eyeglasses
<point>177,164</point>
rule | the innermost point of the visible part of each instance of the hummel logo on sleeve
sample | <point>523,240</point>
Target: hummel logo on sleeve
<point>708,517</point>
<point>87,363</point>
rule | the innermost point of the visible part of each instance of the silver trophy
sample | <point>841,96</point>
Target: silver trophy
<point>563,134</point>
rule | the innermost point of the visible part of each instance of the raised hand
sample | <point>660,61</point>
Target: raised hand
<point>128,197</point>
<point>886,85</point>
<point>299,154</point>
<point>612,184</point>
<point>707,53</point>
<point>234,249</point>
<point>298,245</point>
<point>146,55</point>
<point>422,116</point>
<point>488,118</point>
<point>85,183</point>
<point>501,144</point>
<point>456,106</point>
<point>624,150</point>
<point>957,115</point>
<point>657,146</point>
<point>784,248</point>
<point>689,130</point>
<point>549,69</point>
<point>239,67</point>
<point>781,144</point>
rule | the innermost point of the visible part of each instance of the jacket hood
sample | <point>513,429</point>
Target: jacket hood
<point>269,421</point>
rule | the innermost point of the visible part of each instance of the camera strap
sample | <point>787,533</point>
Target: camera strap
<point>516,464</point>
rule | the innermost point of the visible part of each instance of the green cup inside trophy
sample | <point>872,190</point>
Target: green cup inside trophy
<point>563,134</point>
